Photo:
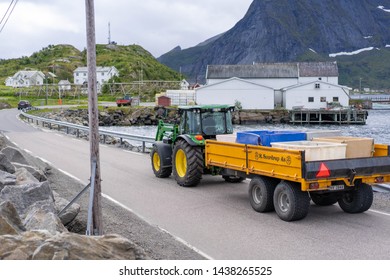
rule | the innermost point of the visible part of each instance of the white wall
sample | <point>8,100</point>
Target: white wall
<point>251,96</point>
<point>299,96</point>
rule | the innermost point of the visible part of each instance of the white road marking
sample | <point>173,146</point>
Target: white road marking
<point>379,212</point>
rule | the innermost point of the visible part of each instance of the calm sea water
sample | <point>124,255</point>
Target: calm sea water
<point>377,127</point>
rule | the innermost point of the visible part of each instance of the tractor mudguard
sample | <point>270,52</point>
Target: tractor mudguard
<point>190,141</point>
<point>165,152</point>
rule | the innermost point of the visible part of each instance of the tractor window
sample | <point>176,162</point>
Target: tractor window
<point>192,123</point>
<point>214,123</point>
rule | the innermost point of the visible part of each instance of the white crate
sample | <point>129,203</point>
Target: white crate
<point>357,147</point>
<point>227,137</point>
<point>315,150</point>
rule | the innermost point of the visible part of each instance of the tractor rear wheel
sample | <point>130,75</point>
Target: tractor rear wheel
<point>187,164</point>
<point>159,170</point>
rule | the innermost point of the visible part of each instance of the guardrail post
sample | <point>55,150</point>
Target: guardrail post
<point>143,146</point>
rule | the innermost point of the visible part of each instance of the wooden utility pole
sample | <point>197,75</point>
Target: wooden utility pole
<point>94,139</point>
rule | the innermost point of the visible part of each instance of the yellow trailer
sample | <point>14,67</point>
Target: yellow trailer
<point>283,180</point>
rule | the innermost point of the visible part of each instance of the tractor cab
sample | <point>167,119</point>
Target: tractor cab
<point>207,120</point>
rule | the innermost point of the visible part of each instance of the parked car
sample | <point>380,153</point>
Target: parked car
<point>24,104</point>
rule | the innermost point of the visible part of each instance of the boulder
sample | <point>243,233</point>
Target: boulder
<point>69,214</point>
<point>10,222</point>
<point>23,196</point>
<point>41,245</point>
<point>3,142</point>
<point>6,179</point>
<point>41,216</point>
<point>38,174</point>
<point>24,177</point>
<point>14,155</point>
<point>5,164</point>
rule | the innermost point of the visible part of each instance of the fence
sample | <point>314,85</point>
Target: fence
<point>78,128</point>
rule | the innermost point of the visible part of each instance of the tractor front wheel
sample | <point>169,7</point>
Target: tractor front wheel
<point>158,169</point>
<point>187,164</point>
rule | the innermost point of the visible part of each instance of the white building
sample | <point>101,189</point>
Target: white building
<point>64,85</point>
<point>251,95</point>
<point>271,85</point>
<point>26,79</point>
<point>314,95</point>
<point>103,74</point>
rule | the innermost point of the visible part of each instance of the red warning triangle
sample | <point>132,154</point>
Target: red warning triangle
<point>323,172</point>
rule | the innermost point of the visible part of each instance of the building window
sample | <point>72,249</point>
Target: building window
<point>77,74</point>
<point>323,99</point>
<point>85,74</point>
<point>335,99</point>
<point>317,85</point>
<point>311,99</point>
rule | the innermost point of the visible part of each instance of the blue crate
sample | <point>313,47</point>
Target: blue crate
<point>265,137</point>
<point>251,137</point>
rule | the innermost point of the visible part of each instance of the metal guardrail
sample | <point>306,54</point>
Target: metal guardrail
<point>78,128</point>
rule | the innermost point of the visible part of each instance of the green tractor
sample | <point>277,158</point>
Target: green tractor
<point>179,148</point>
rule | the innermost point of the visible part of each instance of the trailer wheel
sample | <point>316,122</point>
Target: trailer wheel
<point>158,170</point>
<point>233,179</point>
<point>358,200</point>
<point>187,164</point>
<point>261,192</point>
<point>290,202</point>
<point>325,199</point>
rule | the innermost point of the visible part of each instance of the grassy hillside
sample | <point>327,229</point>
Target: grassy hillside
<point>64,59</point>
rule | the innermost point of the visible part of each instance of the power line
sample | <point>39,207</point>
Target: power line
<point>9,14</point>
<point>6,12</point>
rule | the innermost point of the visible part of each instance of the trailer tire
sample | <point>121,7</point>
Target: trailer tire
<point>261,193</point>
<point>158,169</point>
<point>358,200</point>
<point>325,199</point>
<point>233,179</point>
<point>187,164</point>
<point>291,204</point>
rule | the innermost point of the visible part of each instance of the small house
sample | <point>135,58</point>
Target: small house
<point>26,78</point>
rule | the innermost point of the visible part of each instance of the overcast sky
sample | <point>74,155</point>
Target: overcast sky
<point>156,25</point>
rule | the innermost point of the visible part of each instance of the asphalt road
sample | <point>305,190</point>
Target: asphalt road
<point>214,217</point>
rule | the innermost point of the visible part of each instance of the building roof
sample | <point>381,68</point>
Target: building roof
<point>318,69</point>
<point>28,74</point>
<point>273,70</point>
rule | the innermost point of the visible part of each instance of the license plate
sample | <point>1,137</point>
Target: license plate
<point>336,187</point>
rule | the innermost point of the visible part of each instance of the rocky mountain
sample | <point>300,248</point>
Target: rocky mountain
<point>289,30</point>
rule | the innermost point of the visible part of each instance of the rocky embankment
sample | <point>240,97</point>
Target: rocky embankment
<point>151,116</point>
<point>30,224</point>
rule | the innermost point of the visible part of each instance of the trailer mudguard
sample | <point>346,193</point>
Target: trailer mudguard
<point>165,152</point>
